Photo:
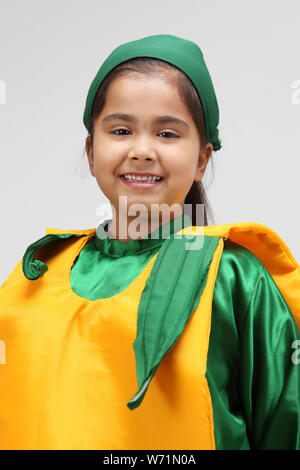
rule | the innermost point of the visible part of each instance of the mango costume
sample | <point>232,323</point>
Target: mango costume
<point>181,342</point>
<point>151,343</point>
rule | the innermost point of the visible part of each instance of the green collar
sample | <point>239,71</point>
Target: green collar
<point>117,249</point>
<point>34,268</point>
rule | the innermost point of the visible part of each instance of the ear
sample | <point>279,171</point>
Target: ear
<point>203,161</point>
<point>90,155</point>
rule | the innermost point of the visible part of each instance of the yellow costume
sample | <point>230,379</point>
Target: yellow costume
<point>70,365</point>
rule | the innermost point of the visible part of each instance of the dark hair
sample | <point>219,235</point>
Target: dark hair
<point>188,94</point>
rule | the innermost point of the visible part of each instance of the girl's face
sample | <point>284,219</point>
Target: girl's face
<point>146,138</point>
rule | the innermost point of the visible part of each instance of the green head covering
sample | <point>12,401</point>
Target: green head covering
<point>185,55</point>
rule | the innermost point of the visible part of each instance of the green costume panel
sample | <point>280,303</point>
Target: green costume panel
<point>254,385</point>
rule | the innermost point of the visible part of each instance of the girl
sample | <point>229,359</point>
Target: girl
<point>122,339</point>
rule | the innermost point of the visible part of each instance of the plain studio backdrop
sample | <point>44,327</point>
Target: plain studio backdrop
<point>50,53</point>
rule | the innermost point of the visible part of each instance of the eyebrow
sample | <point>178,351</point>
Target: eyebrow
<point>130,118</point>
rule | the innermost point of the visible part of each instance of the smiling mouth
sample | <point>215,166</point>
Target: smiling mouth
<point>141,183</point>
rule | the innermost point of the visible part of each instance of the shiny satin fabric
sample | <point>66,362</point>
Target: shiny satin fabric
<point>252,332</point>
<point>70,366</point>
<point>105,266</point>
<point>253,383</point>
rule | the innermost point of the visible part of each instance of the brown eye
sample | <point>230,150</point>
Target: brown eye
<point>119,130</point>
<point>170,133</point>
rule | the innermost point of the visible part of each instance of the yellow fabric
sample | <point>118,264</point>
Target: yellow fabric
<point>70,365</point>
<point>270,249</point>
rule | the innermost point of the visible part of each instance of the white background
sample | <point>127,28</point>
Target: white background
<point>50,53</point>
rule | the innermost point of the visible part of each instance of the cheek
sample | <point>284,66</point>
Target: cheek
<point>181,165</point>
<point>188,159</point>
<point>105,160</point>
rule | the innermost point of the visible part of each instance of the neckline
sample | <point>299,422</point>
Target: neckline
<point>66,281</point>
<point>116,249</point>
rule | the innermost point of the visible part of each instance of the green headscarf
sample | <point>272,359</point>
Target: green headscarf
<point>185,55</point>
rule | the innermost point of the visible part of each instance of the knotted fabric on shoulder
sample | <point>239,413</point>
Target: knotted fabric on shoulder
<point>34,268</point>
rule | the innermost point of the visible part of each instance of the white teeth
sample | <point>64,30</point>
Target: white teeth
<point>150,179</point>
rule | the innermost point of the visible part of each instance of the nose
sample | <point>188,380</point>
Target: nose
<point>142,157</point>
<point>142,151</point>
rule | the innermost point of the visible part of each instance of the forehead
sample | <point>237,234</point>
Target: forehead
<point>141,91</point>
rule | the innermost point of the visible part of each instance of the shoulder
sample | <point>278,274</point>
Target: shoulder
<point>36,255</point>
<point>245,291</point>
<point>236,282</point>
<point>236,260</point>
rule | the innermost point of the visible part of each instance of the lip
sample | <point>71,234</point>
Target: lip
<point>143,185</point>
